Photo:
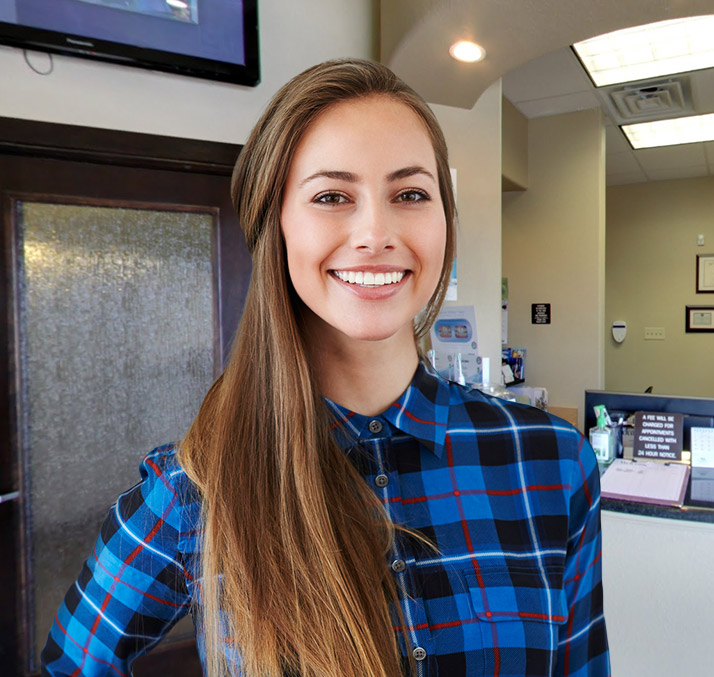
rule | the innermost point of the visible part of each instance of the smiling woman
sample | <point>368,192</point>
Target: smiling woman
<point>336,508</point>
<point>374,215</point>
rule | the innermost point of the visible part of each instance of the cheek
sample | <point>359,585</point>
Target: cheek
<point>434,246</point>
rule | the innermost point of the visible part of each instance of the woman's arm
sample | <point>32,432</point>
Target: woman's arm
<point>132,588</point>
<point>582,649</point>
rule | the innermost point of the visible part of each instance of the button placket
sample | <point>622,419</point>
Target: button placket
<point>407,577</point>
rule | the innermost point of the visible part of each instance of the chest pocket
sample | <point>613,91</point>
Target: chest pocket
<point>519,617</point>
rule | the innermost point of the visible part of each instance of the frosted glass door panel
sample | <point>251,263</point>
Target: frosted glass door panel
<point>117,310</point>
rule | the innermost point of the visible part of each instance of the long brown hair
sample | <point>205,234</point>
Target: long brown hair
<point>294,540</point>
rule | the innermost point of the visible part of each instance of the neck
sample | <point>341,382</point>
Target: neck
<point>364,376</point>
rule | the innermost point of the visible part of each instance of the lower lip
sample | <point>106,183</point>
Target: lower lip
<point>373,293</point>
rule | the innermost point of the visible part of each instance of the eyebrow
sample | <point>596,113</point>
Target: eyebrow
<point>406,172</point>
<point>403,173</point>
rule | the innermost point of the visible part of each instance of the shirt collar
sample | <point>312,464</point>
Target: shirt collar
<point>422,412</point>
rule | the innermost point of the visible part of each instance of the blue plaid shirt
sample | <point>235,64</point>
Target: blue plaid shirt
<point>507,493</point>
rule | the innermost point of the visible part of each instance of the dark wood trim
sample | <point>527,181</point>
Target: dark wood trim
<point>99,146</point>
<point>40,160</point>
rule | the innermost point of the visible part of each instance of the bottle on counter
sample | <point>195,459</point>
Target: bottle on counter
<point>603,439</point>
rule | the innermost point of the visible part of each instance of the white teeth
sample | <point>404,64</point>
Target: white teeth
<point>368,278</point>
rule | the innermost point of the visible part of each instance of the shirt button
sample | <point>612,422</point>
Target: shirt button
<point>381,480</point>
<point>398,565</point>
<point>419,654</point>
<point>375,426</point>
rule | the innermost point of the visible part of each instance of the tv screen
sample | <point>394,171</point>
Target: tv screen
<point>214,39</point>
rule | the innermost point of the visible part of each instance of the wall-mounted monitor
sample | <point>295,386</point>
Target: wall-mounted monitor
<point>213,39</point>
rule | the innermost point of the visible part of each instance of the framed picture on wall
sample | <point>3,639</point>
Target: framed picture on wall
<point>700,318</point>
<point>705,273</point>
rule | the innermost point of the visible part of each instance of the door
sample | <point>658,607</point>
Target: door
<point>125,274</point>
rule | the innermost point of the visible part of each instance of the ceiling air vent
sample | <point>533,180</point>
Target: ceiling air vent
<point>652,100</point>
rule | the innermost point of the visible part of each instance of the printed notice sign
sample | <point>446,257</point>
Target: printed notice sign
<point>540,313</point>
<point>658,435</point>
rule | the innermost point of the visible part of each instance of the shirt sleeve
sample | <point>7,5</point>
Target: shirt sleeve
<point>582,647</point>
<point>132,589</point>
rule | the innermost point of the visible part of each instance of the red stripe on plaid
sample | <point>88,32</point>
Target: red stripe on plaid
<point>402,628</point>
<point>470,548</point>
<point>135,589</point>
<point>488,492</point>
<point>493,615</point>
<point>343,420</point>
<point>582,474</point>
<point>128,561</point>
<point>414,418</point>
<point>86,653</point>
<point>577,577</point>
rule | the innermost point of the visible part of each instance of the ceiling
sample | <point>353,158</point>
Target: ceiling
<point>557,83</point>
<point>527,39</point>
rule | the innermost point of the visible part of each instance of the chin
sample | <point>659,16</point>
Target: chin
<point>375,334</point>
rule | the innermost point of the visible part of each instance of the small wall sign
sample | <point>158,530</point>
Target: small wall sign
<point>658,435</point>
<point>540,313</point>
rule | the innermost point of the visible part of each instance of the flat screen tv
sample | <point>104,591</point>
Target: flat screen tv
<point>213,39</point>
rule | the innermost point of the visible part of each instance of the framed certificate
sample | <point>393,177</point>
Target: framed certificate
<point>700,318</point>
<point>705,273</point>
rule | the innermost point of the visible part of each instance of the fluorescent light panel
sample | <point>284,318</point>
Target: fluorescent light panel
<point>649,51</point>
<point>692,129</point>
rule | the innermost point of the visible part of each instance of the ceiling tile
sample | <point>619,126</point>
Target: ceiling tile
<point>551,75</point>
<point>621,163</point>
<point>677,173</point>
<point>686,155</point>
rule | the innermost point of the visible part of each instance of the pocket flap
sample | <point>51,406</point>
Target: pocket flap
<point>516,595</point>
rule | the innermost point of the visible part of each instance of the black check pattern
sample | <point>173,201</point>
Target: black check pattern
<point>508,494</point>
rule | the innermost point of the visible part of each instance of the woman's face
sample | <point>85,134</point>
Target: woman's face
<point>363,220</point>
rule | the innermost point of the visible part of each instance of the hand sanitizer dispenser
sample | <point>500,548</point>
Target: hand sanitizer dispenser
<point>619,330</point>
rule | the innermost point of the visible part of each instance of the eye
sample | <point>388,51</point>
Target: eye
<point>330,198</point>
<point>412,195</point>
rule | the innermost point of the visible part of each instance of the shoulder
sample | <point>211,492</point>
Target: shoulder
<point>165,491</point>
<point>531,432</point>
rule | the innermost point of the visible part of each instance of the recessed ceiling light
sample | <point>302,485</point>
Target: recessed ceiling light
<point>467,51</point>
<point>692,129</point>
<point>649,51</point>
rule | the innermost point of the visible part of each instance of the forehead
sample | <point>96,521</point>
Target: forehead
<point>357,129</point>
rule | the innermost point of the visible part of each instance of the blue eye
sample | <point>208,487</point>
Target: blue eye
<point>412,195</point>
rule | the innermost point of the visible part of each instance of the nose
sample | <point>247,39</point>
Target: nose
<point>371,231</point>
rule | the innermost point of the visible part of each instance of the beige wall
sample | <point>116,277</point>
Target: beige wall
<point>652,231</point>
<point>293,36</point>
<point>554,252</point>
<point>474,140</point>
<point>514,148</point>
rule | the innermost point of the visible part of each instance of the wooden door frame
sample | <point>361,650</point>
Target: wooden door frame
<point>43,140</point>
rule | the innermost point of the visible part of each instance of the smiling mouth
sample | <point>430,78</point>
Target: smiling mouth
<point>369,279</point>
